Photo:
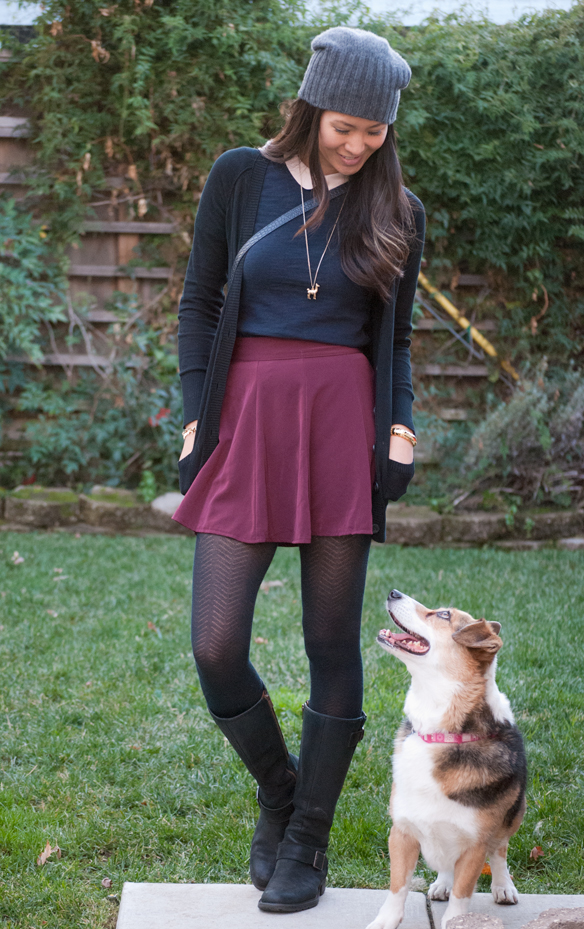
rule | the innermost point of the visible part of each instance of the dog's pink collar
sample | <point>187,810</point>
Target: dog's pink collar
<point>451,737</point>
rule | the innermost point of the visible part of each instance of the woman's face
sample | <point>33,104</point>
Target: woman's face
<point>346,142</point>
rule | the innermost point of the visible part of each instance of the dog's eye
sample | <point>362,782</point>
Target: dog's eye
<point>443,614</point>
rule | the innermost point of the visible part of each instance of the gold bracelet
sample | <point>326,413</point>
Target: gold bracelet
<point>190,430</point>
<point>404,434</point>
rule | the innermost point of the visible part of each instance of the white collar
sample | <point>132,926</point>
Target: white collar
<point>301,173</point>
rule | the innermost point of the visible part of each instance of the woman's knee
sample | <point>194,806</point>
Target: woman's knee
<point>218,663</point>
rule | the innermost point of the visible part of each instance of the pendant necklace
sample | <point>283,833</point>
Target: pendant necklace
<point>313,289</point>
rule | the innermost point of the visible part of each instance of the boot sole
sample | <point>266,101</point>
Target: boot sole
<point>292,907</point>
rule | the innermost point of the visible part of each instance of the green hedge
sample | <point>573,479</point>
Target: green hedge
<point>491,128</point>
<point>491,131</point>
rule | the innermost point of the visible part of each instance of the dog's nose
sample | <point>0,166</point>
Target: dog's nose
<point>395,595</point>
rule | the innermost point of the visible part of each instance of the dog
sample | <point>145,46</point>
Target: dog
<point>459,769</point>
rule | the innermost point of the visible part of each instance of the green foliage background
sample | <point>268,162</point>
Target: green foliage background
<point>491,133</point>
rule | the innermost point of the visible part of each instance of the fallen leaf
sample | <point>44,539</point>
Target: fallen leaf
<point>52,613</point>
<point>486,868</point>
<point>154,628</point>
<point>17,559</point>
<point>61,577</point>
<point>107,883</point>
<point>265,586</point>
<point>44,855</point>
<point>48,851</point>
<point>58,570</point>
<point>260,641</point>
<point>536,852</point>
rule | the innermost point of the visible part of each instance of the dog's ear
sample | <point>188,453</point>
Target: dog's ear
<point>481,636</point>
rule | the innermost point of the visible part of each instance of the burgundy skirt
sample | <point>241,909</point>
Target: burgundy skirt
<point>295,452</point>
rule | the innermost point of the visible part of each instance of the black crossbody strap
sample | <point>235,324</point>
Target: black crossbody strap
<point>275,224</point>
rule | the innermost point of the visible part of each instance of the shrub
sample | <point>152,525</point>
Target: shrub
<point>33,282</point>
<point>533,445</point>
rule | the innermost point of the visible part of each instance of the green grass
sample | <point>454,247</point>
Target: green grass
<point>107,749</point>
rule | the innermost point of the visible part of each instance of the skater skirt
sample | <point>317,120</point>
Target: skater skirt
<point>296,446</point>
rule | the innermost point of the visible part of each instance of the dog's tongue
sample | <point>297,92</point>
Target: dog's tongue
<point>398,636</point>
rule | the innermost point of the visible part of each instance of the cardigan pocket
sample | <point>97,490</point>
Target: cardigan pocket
<point>396,478</point>
<point>186,472</point>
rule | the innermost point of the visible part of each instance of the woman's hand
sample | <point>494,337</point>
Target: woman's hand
<point>399,448</point>
<point>189,441</point>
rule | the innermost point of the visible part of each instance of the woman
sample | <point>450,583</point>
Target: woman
<point>292,384</point>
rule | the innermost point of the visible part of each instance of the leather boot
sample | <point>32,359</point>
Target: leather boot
<point>327,747</point>
<point>257,738</point>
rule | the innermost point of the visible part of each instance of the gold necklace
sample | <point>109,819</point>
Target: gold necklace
<point>313,289</point>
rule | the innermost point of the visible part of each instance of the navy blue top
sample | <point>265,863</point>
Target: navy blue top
<point>274,300</point>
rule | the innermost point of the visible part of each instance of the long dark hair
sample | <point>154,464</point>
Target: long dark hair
<point>377,223</point>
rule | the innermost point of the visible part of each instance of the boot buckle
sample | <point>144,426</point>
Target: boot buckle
<point>319,861</point>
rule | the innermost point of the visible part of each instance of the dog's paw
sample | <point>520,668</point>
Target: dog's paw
<point>505,893</point>
<point>440,889</point>
<point>385,922</point>
<point>391,913</point>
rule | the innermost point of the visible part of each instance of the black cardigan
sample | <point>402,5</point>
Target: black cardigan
<point>208,324</point>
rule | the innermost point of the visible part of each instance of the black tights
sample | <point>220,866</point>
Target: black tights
<point>226,580</point>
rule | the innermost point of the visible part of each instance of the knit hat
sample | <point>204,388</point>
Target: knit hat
<point>355,72</point>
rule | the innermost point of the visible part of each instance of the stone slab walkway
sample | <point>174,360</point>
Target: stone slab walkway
<point>216,906</point>
<point>514,917</point>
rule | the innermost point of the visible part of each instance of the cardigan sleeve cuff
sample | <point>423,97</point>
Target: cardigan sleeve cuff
<point>399,476</point>
<point>192,391</point>
<point>402,409</point>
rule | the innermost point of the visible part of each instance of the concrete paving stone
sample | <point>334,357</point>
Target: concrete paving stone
<point>562,918</point>
<point>46,507</point>
<point>571,545</point>
<point>513,917</point>
<point>523,545</point>
<point>13,527</point>
<point>412,525</point>
<point>475,921</point>
<point>556,525</point>
<point>167,503</point>
<point>216,906</point>
<point>474,527</point>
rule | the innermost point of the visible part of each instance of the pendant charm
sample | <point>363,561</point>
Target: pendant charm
<point>311,291</point>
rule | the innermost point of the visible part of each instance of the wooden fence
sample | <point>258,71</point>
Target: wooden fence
<point>99,266</point>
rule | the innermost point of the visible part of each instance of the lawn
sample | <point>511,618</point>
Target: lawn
<point>108,752</point>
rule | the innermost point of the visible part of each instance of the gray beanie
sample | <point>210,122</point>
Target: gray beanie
<point>355,72</point>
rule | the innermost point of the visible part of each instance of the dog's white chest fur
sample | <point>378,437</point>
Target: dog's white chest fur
<point>443,827</point>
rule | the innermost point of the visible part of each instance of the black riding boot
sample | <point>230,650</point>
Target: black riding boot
<point>257,738</point>
<point>326,750</point>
